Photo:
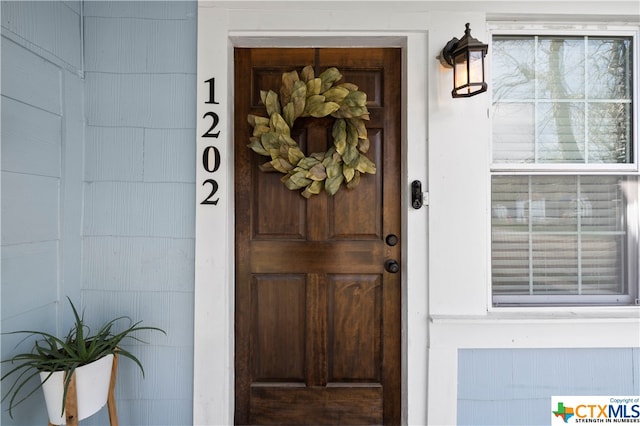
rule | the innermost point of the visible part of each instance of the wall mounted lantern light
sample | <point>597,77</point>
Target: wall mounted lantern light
<point>466,57</point>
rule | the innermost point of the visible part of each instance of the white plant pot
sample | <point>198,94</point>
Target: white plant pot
<point>92,388</point>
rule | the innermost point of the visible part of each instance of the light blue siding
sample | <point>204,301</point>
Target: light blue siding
<point>114,154</point>
<point>141,100</point>
<point>139,205</point>
<point>148,264</point>
<point>515,386</point>
<point>33,412</point>
<point>139,209</point>
<point>27,288</point>
<point>31,139</point>
<point>37,195</point>
<point>167,49</point>
<point>30,78</point>
<point>157,10</point>
<point>41,130</point>
<point>51,28</point>
<point>169,155</point>
<point>98,149</point>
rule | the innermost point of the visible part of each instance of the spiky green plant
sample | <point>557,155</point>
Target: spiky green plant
<point>80,347</point>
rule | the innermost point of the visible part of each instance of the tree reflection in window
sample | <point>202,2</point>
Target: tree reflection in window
<point>562,99</point>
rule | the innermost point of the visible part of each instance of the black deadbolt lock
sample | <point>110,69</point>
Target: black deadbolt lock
<point>416,194</point>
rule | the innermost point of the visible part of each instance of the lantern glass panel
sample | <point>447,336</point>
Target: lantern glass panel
<point>461,76</point>
<point>476,69</point>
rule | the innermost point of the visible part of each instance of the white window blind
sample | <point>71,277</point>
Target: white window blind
<point>564,183</point>
<point>559,235</point>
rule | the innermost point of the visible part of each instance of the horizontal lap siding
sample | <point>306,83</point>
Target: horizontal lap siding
<point>52,29</point>
<point>41,120</point>
<point>31,135</point>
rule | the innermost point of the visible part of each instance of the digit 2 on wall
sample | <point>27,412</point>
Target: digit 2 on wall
<point>211,154</point>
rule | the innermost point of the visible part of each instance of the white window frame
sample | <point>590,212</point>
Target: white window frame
<point>631,169</point>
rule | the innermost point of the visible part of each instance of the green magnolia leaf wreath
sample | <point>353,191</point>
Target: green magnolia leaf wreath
<point>310,96</point>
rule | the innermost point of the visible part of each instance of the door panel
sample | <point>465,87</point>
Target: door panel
<point>278,303</point>
<point>317,315</point>
<point>354,328</point>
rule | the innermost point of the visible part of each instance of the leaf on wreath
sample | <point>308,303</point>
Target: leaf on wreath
<point>313,189</point>
<point>348,172</point>
<point>307,74</point>
<point>289,114</point>
<point>256,120</point>
<point>259,130</point>
<point>323,109</point>
<point>350,156</point>
<point>332,169</point>
<point>298,180</point>
<point>349,86</point>
<point>299,97</point>
<point>352,134</point>
<point>267,167</point>
<point>307,163</point>
<point>278,124</point>
<point>365,165</point>
<point>335,94</point>
<point>256,146</point>
<point>356,98</point>
<point>355,181</point>
<point>294,155</point>
<point>360,127</point>
<point>313,87</point>
<point>331,185</point>
<point>363,145</point>
<point>288,80</point>
<point>271,102</point>
<point>269,140</point>
<point>281,165</point>
<point>312,102</point>
<point>287,140</point>
<point>339,134</point>
<point>317,172</point>
<point>329,77</point>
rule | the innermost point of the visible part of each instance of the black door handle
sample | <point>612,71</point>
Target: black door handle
<point>392,266</point>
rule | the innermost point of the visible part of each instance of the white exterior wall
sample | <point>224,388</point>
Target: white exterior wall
<point>445,145</point>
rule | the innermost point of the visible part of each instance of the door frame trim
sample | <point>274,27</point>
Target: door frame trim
<point>213,392</point>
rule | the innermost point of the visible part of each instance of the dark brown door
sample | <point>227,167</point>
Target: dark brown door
<point>317,315</point>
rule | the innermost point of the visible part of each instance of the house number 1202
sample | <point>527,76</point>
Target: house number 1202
<point>211,154</point>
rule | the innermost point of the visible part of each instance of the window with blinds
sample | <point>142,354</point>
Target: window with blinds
<point>564,185</point>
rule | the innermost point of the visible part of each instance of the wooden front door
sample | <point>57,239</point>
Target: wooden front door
<point>317,320</point>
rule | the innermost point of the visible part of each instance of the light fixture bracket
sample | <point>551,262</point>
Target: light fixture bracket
<point>446,57</point>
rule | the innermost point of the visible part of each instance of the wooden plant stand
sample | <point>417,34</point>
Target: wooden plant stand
<point>71,403</point>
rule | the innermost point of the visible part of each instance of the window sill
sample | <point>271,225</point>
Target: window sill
<point>546,313</point>
<point>578,327</point>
